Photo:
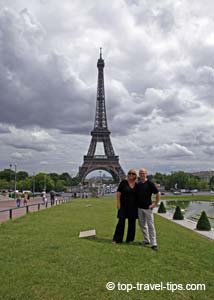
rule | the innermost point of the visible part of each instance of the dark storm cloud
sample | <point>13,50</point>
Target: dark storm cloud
<point>37,88</point>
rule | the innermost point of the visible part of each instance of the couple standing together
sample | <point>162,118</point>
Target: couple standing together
<point>134,200</point>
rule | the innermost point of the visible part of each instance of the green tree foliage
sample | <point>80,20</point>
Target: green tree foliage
<point>21,175</point>
<point>203,186</point>
<point>43,180</point>
<point>178,214</point>
<point>203,222</point>
<point>160,178</point>
<point>60,185</point>
<point>54,176</point>
<point>4,184</point>
<point>75,181</point>
<point>211,183</point>
<point>7,174</point>
<point>182,180</point>
<point>25,184</point>
<point>66,177</point>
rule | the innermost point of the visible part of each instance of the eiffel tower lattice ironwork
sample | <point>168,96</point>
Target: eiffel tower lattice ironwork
<point>109,161</point>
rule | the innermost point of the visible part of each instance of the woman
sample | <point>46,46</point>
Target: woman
<point>127,208</point>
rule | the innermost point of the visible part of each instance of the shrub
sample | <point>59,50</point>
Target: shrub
<point>178,214</point>
<point>203,222</point>
<point>161,209</point>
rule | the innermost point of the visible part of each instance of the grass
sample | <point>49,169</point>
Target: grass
<point>189,197</point>
<point>41,257</point>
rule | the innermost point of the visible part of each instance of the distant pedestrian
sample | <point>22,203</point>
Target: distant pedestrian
<point>46,201</point>
<point>18,200</point>
<point>25,198</point>
<point>52,195</point>
<point>43,195</point>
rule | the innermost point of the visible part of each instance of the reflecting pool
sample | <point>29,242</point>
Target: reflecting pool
<point>192,209</point>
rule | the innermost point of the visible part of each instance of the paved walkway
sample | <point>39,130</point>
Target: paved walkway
<point>18,212</point>
<point>187,224</point>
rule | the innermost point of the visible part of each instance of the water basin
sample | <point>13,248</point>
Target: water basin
<point>192,209</point>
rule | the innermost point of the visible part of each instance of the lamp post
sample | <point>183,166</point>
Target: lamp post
<point>33,184</point>
<point>10,181</point>
<point>15,181</point>
<point>71,185</point>
<point>100,182</point>
<point>45,182</point>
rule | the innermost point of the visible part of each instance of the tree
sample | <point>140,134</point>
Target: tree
<point>161,209</point>
<point>7,174</point>
<point>211,183</point>
<point>3,184</point>
<point>181,179</point>
<point>26,184</point>
<point>43,181</point>
<point>54,177</point>
<point>178,215</point>
<point>203,222</point>
<point>21,175</point>
<point>203,185</point>
<point>60,186</point>
<point>75,181</point>
<point>160,178</point>
<point>66,177</point>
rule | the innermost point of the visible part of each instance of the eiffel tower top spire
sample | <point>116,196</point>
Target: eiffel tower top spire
<point>100,115</point>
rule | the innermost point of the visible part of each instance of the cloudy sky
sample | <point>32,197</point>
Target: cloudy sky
<point>159,82</point>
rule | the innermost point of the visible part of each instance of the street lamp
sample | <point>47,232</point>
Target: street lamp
<point>100,182</point>
<point>45,182</point>
<point>71,185</point>
<point>15,181</point>
<point>10,181</point>
<point>33,184</point>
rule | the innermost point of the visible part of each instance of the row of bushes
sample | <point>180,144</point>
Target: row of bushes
<point>202,224</point>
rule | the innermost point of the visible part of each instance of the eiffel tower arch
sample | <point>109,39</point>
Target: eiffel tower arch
<point>109,161</point>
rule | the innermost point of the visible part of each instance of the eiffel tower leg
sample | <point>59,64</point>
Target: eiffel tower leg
<point>110,165</point>
<point>92,147</point>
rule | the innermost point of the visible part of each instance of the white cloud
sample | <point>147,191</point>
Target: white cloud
<point>34,139</point>
<point>171,151</point>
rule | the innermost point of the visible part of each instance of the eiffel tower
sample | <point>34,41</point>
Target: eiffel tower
<point>108,162</point>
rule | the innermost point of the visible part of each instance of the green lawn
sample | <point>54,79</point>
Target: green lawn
<point>41,257</point>
<point>189,197</point>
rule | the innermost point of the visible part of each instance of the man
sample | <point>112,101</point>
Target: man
<point>145,189</point>
<point>52,194</point>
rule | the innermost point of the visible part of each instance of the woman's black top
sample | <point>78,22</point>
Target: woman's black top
<point>128,201</point>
